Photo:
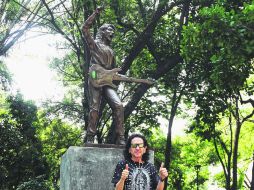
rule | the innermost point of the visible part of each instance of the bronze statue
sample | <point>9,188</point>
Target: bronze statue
<point>102,73</point>
<point>103,55</point>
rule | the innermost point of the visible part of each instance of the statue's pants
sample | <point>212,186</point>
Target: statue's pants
<point>95,96</point>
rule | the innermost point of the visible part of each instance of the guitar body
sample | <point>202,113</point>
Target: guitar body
<point>100,77</point>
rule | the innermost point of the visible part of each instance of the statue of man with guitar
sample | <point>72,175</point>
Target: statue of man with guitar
<point>102,73</point>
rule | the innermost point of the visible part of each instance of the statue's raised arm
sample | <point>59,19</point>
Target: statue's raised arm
<point>87,25</point>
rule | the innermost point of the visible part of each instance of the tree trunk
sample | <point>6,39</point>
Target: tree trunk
<point>252,174</point>
<point>175,103</point>
<point>226,165</point>
<point>235,151</point>
<point>228,177</point>
<point>163,67</point>
<point>168,147</point>
<point>85,68</point>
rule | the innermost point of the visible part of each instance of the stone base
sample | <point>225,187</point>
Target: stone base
<point>89,168</point>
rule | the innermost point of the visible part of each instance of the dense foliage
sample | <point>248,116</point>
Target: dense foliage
<point>220,49</point>
<point>20,149</point>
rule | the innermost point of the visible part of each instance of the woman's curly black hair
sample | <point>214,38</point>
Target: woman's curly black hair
<point>126,153</point>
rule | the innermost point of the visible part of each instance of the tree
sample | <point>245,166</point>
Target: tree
<point>38,183</point>
<point>252,174</point>
<point>20,151</point>
<point>16,17</point>
<point>56,136</point>
<point>5,78</point>
<point>187,151</point>
<point>220,47</point>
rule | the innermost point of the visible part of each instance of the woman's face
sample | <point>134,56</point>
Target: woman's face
<point>137,149</point>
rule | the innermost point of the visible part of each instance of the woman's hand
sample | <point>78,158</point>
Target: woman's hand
<point>163,173</point>
<point>125,173</point>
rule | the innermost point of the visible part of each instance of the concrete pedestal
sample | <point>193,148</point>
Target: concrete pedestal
<point>90,168</point>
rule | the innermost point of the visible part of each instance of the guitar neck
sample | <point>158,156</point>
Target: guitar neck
<point>119,77</point>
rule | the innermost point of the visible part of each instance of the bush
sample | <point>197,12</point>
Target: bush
<point>39,183</point>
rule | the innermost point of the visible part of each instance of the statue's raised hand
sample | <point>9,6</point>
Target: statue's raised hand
<point>99,9</point>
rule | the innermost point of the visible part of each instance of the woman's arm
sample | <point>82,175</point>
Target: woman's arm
<point>160,185</point>
<point>163,173</point>
<point>120,184</point>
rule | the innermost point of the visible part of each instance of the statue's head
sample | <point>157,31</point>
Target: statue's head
<point>106,33</point>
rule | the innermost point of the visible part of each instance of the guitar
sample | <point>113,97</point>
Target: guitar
<point>100,77</point>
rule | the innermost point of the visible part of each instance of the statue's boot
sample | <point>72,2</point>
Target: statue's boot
<point>91,129</point>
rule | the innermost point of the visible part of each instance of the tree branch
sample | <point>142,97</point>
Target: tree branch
<point>142,88</point>
<point>142,39</point>
<point>57,27</point>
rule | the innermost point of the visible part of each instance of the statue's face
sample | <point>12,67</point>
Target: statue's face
<point>109,33</point>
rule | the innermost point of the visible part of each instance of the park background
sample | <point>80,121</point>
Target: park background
<point>199,113</point>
